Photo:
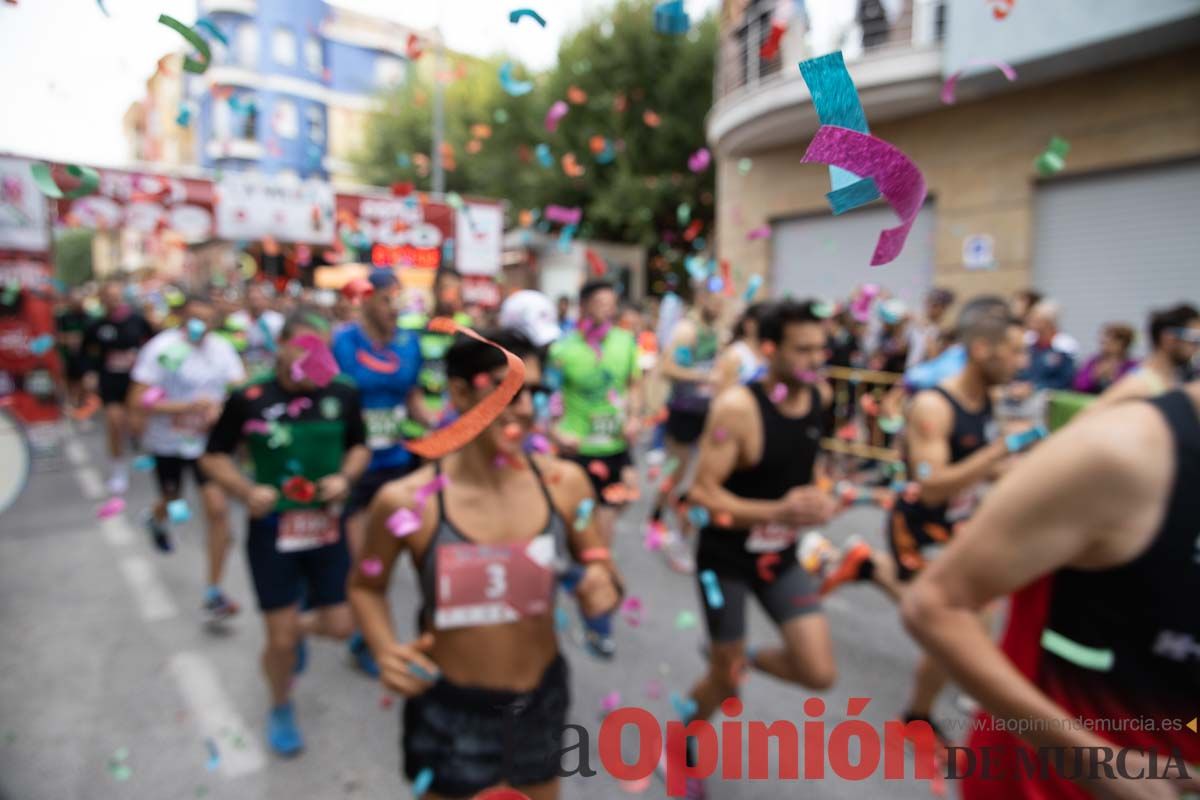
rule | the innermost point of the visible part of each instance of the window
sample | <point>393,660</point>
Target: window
<point>314,55</point>
<point>284,120</point>
<point>316,124</point>
<point>283,47</point>
<point>222,120</point>
<point>388,71</point>
<point>248,117</point>
<point>246,45</point>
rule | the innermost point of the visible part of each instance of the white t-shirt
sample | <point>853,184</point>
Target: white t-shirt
<point>205,372</point>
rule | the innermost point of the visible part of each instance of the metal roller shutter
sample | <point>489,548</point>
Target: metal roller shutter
<point>1110,248</point>
<point>827,256</point>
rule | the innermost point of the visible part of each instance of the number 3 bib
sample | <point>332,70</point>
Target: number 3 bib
<point>491,584</point>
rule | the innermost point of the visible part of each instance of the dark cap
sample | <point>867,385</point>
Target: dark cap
<point>941,297</point>
<point>382,279</point>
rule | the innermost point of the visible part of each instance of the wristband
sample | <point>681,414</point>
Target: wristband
<point>591,554</point>
<point>1016,442</point>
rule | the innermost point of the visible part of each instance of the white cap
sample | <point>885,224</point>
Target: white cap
<point>532,314</point>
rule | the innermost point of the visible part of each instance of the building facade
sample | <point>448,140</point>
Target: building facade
<point>1111,235</point>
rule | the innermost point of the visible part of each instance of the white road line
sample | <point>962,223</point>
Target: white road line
<point>239,751</point>
<point>76,453</point>
<point>90,483</point>
<point>151,596</point>
<point>117,531</point>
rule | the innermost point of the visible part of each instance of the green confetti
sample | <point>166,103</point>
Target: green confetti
<point>744,166</point>
<point>190,64</point>
<point>683,213</point>
<point>685,620</point>
<point>89,181</point>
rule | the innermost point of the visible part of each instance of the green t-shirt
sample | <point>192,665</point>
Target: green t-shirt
<point>589,387</point>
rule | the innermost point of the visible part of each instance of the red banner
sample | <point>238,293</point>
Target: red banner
<point>396,231</point>
<point>146,203</point>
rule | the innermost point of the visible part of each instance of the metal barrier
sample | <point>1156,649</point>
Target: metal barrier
<point>857,433</point>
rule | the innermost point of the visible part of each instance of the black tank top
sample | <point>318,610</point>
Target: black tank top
<point>789,451</point>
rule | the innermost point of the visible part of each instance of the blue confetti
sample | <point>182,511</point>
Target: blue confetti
<point>670,18</point>
<point>712,589</point>
<point>178,511</point>
<point>143,463</point>
<point>583,515</point>
<point>683,356</point>
<point>698,516</point>
<point>685,708</point>
<point>752,288</point>
<point>423,782</point>
<point>544,156</point>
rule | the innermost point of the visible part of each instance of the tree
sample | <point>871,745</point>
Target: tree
<point>625,69</point>
<point>73,256</point>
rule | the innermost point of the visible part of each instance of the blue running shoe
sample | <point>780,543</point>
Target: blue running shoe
<point>282,733</point>
<point>362,656</point>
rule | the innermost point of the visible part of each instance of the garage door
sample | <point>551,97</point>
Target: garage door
<point>1111,248</point>
<point>827,256</point>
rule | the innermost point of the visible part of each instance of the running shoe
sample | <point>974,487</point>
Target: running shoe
<point>361,654</point>
<point>600,645</point>
<point>678,553</point>
<point>118,481</point>
<point>849,567</point>
<point>816,553</point>
<point>282,731</point>
<point>217,607</point>
<point>158,534</point>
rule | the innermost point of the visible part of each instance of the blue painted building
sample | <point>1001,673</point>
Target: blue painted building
<point>290,92</point>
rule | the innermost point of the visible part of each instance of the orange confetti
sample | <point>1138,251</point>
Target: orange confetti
<point>576,96</point>
<point>651,119</point>
<point>599,469</point>
<point>616,494</point>
<point>620,103</point>
<point>512,431</point>
<point>596,144</point>
<point>481,131</point>
<point>525,218</point>
<point>768,349</point>
<point>723,519</point>
<point>571,166</point>
<point>474,146</point>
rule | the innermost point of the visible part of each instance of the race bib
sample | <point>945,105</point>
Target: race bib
<point>305,529</point>
<point>605,424</point>
<point>492,584</point>
<point>771,538</point>
<point>383,426</point>
<point>189,423</point>
<point>120,360</point>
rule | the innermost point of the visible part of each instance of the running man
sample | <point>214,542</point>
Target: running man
<point>180,381</point>
<point>70,322</point>
<point>689,363</point>
<point>1096,533</point>
<point>486,686</point>
<point>110,346</point>
<point>952,449</point>
<point>755,478</point>
<point>1175,337</point>
<point>448,302</point>
<point>307,445</point>
<point>383,361</point>
<point>261,326</point>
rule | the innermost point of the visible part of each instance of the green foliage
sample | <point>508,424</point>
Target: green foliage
<point>73,256</point>
<point>626,69</point>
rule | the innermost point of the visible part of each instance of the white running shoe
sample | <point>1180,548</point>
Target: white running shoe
<point>118,481</point>
<point>678,553</point>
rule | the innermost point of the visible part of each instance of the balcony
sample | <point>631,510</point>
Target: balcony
<point>247,7</point>
<point>246,149</point>
<point>895,60</point>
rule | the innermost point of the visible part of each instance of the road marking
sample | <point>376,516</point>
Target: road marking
<point>151,596</point>
<point>117,531</point>
<point>90,483</point>
<point>239,751</point>
<point>76,453</point>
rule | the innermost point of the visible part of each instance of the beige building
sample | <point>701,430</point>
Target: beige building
<point>151,125</point>
<point>1111,235</point>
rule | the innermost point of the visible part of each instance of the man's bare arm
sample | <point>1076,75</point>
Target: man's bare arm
<point>930,422</point>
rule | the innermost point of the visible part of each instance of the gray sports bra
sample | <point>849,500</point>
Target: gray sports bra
<point>446,533</point>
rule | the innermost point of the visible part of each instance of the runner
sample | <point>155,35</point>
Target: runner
<point>689,363</point>
<point>383,361</point>
<point>487,700</point>
<point>261,325</point>
<point>110,346</point>
<point>306,441</point>
<point>742,361</point>
<point>952,448</point>
<point>180,381</point>
<point>1096,535</point>
<point>71,321</point>
<point>448,302</point>
<point>755,479</point>
<point>1175,337</point>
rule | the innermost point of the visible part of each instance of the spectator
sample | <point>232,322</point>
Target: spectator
<point>845,343</point>
<point>1051,353</point>
<point>564,314</point>
<point>1023,302</point>
<point>1111,363</point>
<point>925,335</point>
<point>892,354</point>
<point>1175,336</point>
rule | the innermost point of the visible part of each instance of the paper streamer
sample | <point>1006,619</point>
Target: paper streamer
<point>951,84</point>
<point>510,84</point>
<point>89,181</point>
<point>902,184</point>
<point>557,111</point>
<point>670,18</point>
<point>208,25</point>
<point>563,215</point>
<point>836,101</point>
<point>752,287</point>
<point>761,232</point>
<point>473,421</point>
<point>190,64</point>
<point>516,14</point>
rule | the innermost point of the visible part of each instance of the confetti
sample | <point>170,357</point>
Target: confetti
<point>424,778</point>
<point>599,469</point>
<point>1001,8</point>
<point>836,101</point>
<point>651,119</point>
<point>256,426</point>
<point>583,514</point>
<point>924,470</point>
<point>656,536</point>
<point>720,434</point>
<point>317,364</point>
<point>563,215</point>
<point>670,18</point>
<point>89,181</point>
<point>143,463</point>
<point>117,767</point>
<point>554,115</point>
<point>752,287</point>
<point>779,393</point>
<point>299,489</point>
<point>723,519</point>
<point>744,166</point>
<point>685,620</point>
<point>1053,160</point>
<point>685,707</point>
<point>190,64</point>
<point>948,88</point>
<point>110,507</point>
<point>214,756</point>
<point>631,610</point>
<point>436,485</point>
<point>1016,442</point>
<point>544,156</point>
<point>610,702</point>
<point>178,511</point>
<point>699,160</point>
<point>371,566</point>
<point>41,344</point>
<point>654,689</point>
<point>299,404</point>
<point>403,522</point>
<point>712,589</point>
<point>683,356</point>
<point>761,232</point>
<point>516,14</point>
<point>511,85</point>
<point>152,395</point>
<point>902,184</point>
<point>562,620</point>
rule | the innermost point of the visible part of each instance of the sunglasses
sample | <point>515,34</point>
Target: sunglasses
<point>1189,335</point>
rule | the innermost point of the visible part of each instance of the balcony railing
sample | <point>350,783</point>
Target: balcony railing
<point>247,7</point>
<point>858,29</point>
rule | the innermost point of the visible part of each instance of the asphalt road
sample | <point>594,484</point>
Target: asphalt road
<point>110,687</point>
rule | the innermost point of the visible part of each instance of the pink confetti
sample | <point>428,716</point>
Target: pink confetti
<point>654,689</point>
<point>110,507</point>
<point>539,443</point>
<point>296,406</point>
<point>256,426</point>
<point>371,566</point>
<point>436,485</point>
<point>807,376</point>
<point>631,610</point>
<point>152,395</point>
<point>656,534</point>
<point>635,787</point>
<point>610,701</point>
<point>403,522</point>
<point>898,179</point>
<point>951,83</point>
<point>556,404</point>
<point>779,393</point>
<point>555,114</point>
<point>699,160</point>
<point>318,364</point>
<point>720,434</point>
<point>761,232</point>
<point>563,215</point>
